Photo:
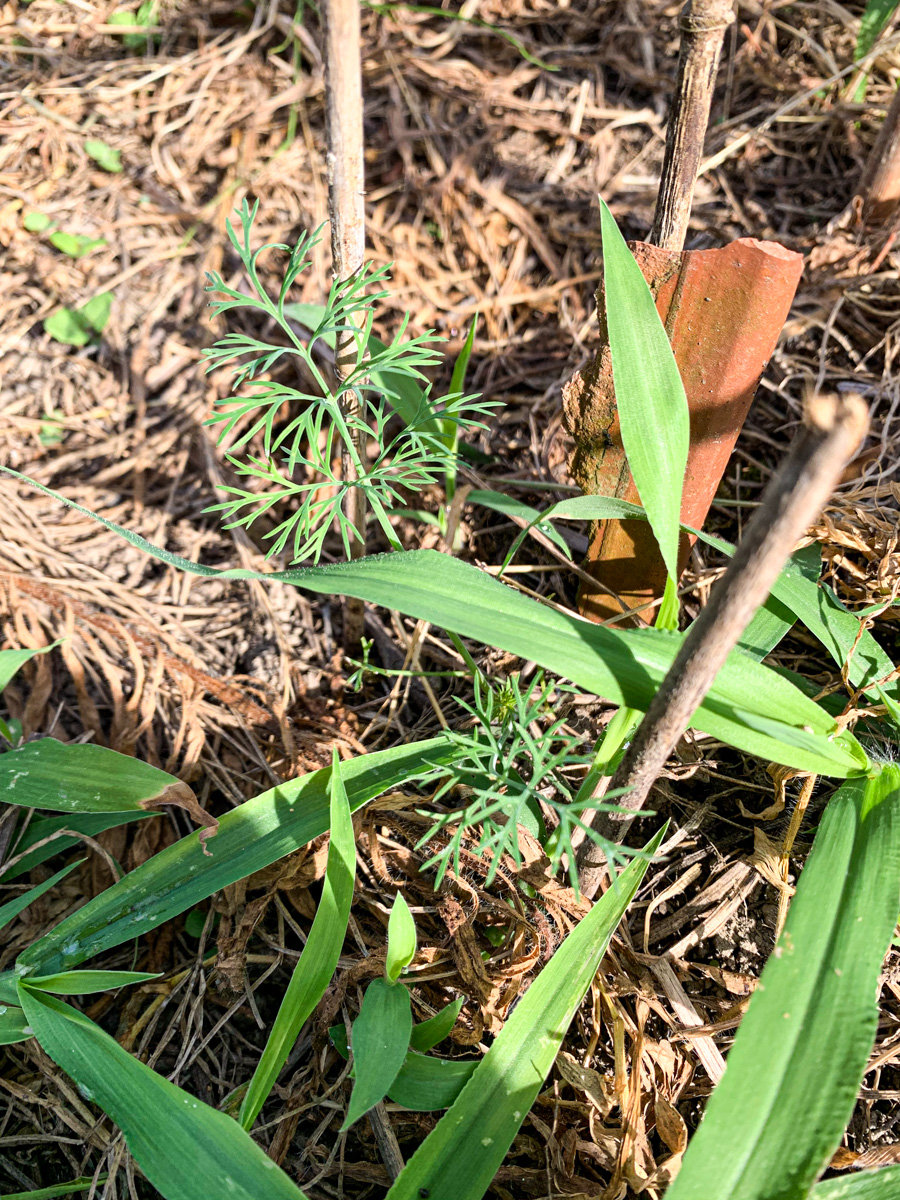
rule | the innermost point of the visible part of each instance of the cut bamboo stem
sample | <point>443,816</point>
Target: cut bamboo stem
<point>702,24</point>
<point>346,210</point>
<point>832,432</point>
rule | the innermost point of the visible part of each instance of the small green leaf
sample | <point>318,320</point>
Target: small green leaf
<point>85,983</point>
<point>75,245</point>
<point>380,1038</point>
<point>401,947</point>
<point>428,1033</point>
<point>36,222</point>
<point>96,311</point>
<point>58,1189</point>
<point>65,326</point>
<point>317,963</point>
<point>423,1084</point>
<point>12,660</point>
<point>882,1183</point>
<point>103,154</point>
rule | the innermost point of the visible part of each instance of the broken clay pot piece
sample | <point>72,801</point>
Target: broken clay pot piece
<point>723,311</point>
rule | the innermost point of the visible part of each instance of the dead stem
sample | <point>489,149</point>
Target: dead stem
<point>703,24</point>
<point>344,124</point>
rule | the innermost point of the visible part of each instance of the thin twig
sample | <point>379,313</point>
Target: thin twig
<point>703,24</point>
<point>832,432</point>
<point>388,1146</point>
<point>346,209</point>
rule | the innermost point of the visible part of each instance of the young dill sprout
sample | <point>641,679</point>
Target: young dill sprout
<point>515,755</point>
<point>302,433</point>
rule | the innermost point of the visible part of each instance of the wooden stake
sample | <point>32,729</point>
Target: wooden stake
<point>703,24</point>
<point>879,186</point>
<point>834,427</point>
<point>346,210</point>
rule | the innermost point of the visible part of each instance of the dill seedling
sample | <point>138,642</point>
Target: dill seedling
<point>295,467</point>
<point>515,755</point>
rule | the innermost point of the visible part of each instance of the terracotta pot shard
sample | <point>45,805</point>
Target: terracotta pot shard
<point>723,311</point>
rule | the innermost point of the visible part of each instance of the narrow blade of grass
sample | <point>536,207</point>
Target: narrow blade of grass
<point>793,1073</point>
<point>317,963</point>
<point>881,1184</point>
<point>650,400</point>
<point>460,1157</point>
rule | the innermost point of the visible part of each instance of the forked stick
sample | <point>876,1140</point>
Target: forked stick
<point>833,429</point>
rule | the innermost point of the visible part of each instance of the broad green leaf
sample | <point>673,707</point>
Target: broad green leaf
<point>881,1184</point>
<point>624,666</point>
<point>86,983</point>
<point>401,947</point>
<point>41,829</point>
<point>650,400</point>
<point>103,155</point>
<point>63,777</point>
<point>179,1142</point>
<point>60,1189</point>
<point>423,1084</point>
<point>12,908</point>
<point>250,837</point>
<point>13,1026</point>
<point>460,1157</point>
<point>428,1033</point>
<point>36,222</point>
<point>320,955</point>
<point>11,661</point>
<point>790,1085</point>
<point>380,1038</point>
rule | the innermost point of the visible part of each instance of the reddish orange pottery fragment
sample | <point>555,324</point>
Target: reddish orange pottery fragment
<point>723,311</point>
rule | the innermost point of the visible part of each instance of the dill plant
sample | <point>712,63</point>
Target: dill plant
<point>295,468</point>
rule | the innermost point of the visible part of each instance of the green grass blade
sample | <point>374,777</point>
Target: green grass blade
<point>380,1038</point>
<point>60,1189</point>
<point>250,837</point>
<point>81,778</point>
<point>11,661</point>
<point>320,955</point>
<point>797,589</point>
<point>460,1157</point>
<point>42,829</point>
<point>401,947</point>
<point>86,983</point>
<point>650,400</point>
<point>184,1147</point>
<point>793,1073</point>
<point>507,506</point>
<point>429,1033</point>
<point>12,908</point>
<point>872,24</point>
<point>625,666</point>
<point>881,1184</point>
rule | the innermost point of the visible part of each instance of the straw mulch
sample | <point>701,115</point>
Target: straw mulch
<point>482,173</point>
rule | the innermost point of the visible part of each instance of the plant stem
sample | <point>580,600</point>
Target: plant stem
<point>833,430</point>
<point>344,120</point>
<point>703,24</point>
